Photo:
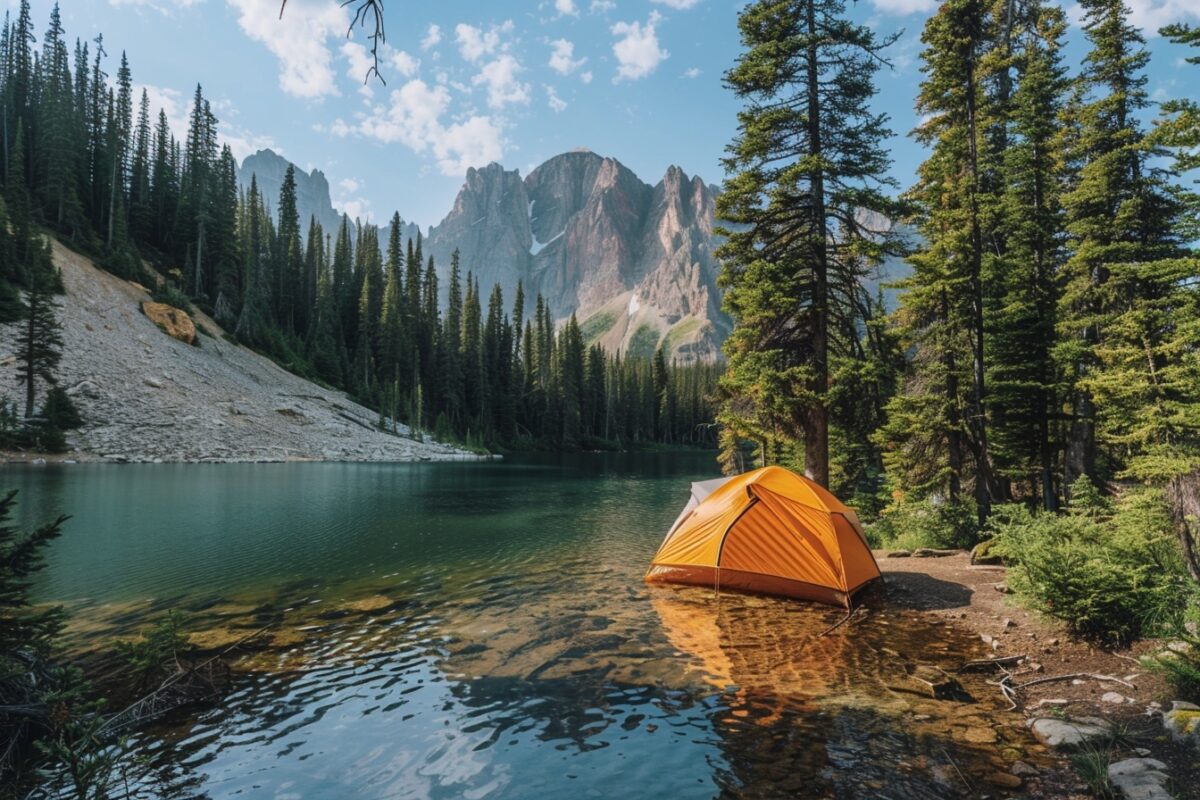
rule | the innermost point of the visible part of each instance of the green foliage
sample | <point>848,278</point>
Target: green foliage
<point>806,166</point>
<point>1180,667</point>
<point>59,410</point>
<point>1110,576</point>
<point>597,325</point>
<point>81,760</point>
<point>156,654</point>
<point>25,629</point>
<point>925,523</point>
<point>643,343</point>
<point>167,291</point>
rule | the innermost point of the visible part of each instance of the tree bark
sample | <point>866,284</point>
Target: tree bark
<point>816,434</point>
<point>1183,496</point>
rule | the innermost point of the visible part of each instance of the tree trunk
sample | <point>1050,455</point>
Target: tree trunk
<point>977,422</point>
<point>816,433</point>
<point>1183,496</point>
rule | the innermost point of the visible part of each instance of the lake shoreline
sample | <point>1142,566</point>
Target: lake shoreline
<point>951,590</point>
<point>35,458</point>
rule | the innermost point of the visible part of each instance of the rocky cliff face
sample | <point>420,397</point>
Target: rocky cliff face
<point>312,192</point>
<point>633,262</point>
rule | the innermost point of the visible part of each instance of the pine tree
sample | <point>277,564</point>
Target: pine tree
<point>938,427</point>
<point>1022,374</point>
<point>39,338</point>
<point>807,160</point>
<point>289,256</point>
<point>1122,273</point>
<point>452,346</point>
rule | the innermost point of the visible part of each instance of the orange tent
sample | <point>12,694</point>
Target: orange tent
<point>768,531</point>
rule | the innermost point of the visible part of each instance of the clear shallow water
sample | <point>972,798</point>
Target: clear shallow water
<point>481,630</point>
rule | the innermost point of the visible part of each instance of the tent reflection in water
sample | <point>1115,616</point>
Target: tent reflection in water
<point>769,531</point>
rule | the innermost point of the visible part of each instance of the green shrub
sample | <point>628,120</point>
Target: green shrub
<point>926,523</point>
<point>60,411</point>
<point>154,655</point>
<point>1181,669</point>
<point>1111,575</point>
<point>168,292</point>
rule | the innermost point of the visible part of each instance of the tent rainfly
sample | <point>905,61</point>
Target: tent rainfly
<point>769,531</point>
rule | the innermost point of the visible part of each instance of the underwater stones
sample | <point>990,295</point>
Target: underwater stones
<point>1183,722</point>
<point>376,602</point>
<point>1004,780</point>
<point>1068,733</point>
<point>217,638</point>
<point>977,734</point>
<point>1139,779</point>
<point>935,682</point>
<point>1023,769</point>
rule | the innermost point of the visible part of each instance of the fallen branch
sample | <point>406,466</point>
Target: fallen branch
<point>1090,675</point>
<point>159,701</point>
<point>990,663</point>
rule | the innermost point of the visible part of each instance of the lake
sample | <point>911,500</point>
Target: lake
<point>482,630</point>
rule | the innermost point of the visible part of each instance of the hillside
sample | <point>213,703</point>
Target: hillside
<point>148,397</point>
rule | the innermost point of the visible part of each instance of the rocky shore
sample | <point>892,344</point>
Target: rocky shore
<point>148,397</point>
<point>1110,723</point>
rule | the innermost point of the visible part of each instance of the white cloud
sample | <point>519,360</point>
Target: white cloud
<point>562,59</point>
<point>691,72</point>
<point>359,63</point>
<point>414,116</point>
<point>355,207</point>
<point>678,5</point>
<point>349,185</point>
<point>243,143</point>
<point>161,6</point>
<point>601,6</point>
<point>178,108</point>
<point>403,63</point>
<point>586,77</point>
<point>169,101</point>
<point>905,7</point>
<point>298,41</point>
<point>433,37</point>
<point>475,43</point>
<point>1150,15</point>
<point>500,78</point>
<point>566,8</point>
<point>637,49</point>
<point>555,102</point>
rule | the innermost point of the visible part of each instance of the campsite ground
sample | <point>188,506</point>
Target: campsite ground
<point>950,588</point>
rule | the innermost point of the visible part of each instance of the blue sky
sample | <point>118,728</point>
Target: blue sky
<point>470,82</point>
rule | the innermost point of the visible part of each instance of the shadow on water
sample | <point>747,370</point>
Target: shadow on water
<point>459,634</point>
